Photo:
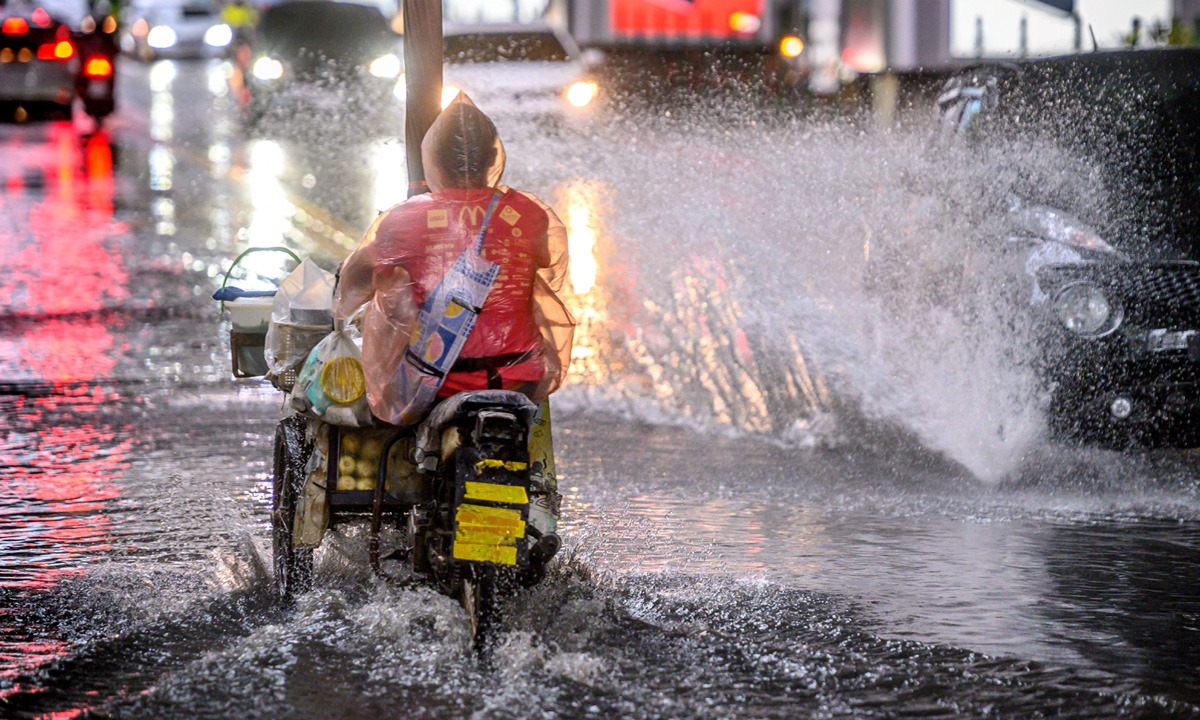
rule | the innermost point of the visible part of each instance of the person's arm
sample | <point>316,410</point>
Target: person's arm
<point>356,278</point>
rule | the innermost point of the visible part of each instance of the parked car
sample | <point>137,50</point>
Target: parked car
<point>523,70</point>
<point>51,53</point>
<point>179,29</point>
<point>319,55</point>
<point>1098,269</point>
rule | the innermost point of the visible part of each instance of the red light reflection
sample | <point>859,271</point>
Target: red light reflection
<point>61,298</point>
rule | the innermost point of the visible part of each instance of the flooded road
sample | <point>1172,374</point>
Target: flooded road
<point>752,530</point>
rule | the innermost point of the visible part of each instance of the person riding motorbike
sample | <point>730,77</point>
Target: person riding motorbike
<point>522,332</point>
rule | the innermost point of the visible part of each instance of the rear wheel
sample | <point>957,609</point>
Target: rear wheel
<point>479,600</point>
<point>484,591</point>
<point>293,566</point>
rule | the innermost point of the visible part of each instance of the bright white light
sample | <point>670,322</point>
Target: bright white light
<point>218,78</point>
<point>449,92</point>
<point>162,73</point>
<point>162,167</point>
<point>161,37</point>
<point>162,116</point>
<point>390,162</point>
<point>400,91</point>
<point>582,93</point>
<point>218,36</point>
<point>266,68</point>
<point>266,158</point>
<point>385,66</point>
<point>269,222</point>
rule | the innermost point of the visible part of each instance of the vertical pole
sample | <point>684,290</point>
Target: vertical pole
<point>422,81</point>
<point>978,36</point>
<point>1024,40</point>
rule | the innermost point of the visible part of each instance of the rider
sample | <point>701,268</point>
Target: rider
<point>522,336</point>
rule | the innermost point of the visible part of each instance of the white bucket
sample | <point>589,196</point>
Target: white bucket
<point>250,315</point>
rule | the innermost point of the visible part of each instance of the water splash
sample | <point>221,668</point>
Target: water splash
<point>795,278</point>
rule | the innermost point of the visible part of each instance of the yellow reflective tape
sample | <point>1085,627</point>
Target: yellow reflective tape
<point>476,536</point>
<point>481,515</point>
<point>511,465</point>
<point>485,553</point>
<point>495,521</point>
<point>511,494</point>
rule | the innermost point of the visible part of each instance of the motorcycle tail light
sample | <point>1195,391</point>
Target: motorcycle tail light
<point>98,68</point>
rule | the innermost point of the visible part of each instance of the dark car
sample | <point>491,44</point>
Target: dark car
<point>1099,268</point>
<point>51,53</point>
<point>314,55</point>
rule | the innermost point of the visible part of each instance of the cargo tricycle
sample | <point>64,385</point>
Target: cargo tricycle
<point>471,489</point>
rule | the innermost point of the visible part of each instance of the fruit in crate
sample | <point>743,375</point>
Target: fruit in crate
<point>347,463</point>
<point>371,449</point>
<point>347,482</point>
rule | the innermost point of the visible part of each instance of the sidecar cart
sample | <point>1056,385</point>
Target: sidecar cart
<point>326,475</point>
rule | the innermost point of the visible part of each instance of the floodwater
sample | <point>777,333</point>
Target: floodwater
<point>775,507</point>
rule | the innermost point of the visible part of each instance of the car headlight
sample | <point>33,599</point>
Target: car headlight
<point>385,66</point>
<point>268,68</point>
<point>161,37</point>
<point>581,93</point>
<point>218,36</point>
<point>1085,310</point>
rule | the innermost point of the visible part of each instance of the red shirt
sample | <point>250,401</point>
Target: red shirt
<point>426,235</point>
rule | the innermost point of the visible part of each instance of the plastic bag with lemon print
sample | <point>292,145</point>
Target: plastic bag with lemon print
<point>331,385</point>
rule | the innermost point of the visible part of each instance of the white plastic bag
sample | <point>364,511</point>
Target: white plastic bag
<point>300,317</point>
<point>331,384</point>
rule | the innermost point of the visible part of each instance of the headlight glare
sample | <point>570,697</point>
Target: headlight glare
<point>218,36</point>
<point>449,92</point>
<point>385,66</point>
<point>1087,311</point>
<point>268,68</point>
<point>582,93</point>
<point>161,37</point>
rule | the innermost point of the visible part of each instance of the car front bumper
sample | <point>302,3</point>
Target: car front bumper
<point>1142,381</point>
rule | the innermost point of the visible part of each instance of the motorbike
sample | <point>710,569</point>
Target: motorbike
<point>471,489</point>
<point>475,512</point>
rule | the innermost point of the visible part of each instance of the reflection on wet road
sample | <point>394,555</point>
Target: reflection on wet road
<point>740,542</point>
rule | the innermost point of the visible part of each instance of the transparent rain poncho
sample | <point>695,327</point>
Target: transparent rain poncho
<point>410,247</point>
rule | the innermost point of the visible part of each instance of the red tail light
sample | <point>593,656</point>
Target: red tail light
<point>15,26</point>
<point>98,68</point>
<point>61,50</point>
<point>41,18</point>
